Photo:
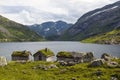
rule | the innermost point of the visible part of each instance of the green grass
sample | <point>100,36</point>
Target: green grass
<point>19,71</point>
<point>110,37</point>
<point>21,53</point>
<point>64,54</point>
<point>47,52</point>
<point>11,31</point>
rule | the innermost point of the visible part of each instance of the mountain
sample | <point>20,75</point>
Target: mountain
<point>12,31</point>
<point>50,30</point>
<point>95,22</point>
<point>112,37</point>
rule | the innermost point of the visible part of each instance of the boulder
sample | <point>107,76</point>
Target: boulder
<point>73,78</point>
<point>3,61</point>
<point>115,77</point>
<point>63,63</point>
<point>34,68</point>
<point>98,73</point>
<point>45,67</point>
<point>88,57</point>
<point>106,57</point>
<point>68,63</point>
<point>97,63</point>
<point>63,71</point>
<point>112,64</point>
<point>52,66</point>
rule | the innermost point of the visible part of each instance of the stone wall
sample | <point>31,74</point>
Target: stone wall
<point>14,58</point>
<point>50,59</point>
<point>39,57</point>
<point>65,59</point>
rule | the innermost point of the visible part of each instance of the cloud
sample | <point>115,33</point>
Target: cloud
<point>38,11</point>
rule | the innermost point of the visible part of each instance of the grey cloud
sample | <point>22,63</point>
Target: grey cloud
<point>31,15</point>
<point>12,9</point>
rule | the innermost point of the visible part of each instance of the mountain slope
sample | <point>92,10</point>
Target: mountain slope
<point>12,31</point>
<point>95,22</point>
<point>51,30</point>
<point>112,37</point>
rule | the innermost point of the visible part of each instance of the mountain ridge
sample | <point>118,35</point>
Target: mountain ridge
<point>95,22</point>
<point>13,31</point>
<point>50,30</point>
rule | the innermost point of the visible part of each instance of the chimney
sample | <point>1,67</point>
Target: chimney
<point>46,50</point>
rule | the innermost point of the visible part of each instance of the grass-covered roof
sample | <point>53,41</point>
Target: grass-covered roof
<point>47,52</point>
<point>21,53</point>
<point>64,54</point>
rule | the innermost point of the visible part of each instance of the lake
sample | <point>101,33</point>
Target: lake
<point>6,49</point>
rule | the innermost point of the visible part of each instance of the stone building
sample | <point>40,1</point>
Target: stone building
<point>44,55</point>
<point>20,55</point>
<point>74,57</point>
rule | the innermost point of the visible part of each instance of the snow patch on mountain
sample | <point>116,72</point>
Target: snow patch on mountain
<point>102,11</point>
<point>47,29</point>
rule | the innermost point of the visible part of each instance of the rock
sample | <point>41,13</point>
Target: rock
<point>73,78</point>
<point>53,66</point>
<point>114,77</point>
<point>41,66</point>
<point>3,61</point>
<point>70,63</point>
<point>106,57</point>
<point>96,63</point>
<point>63,71</point>
<point>21,61</point>
<point>34,68</point>
<point>88,57</point>
<point>45,67</point>
<point>63,63</point>
<point>98,72</point>
<point>24,72</point>
<point>112,64</point>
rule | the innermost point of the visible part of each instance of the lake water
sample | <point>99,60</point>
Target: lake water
<point>6,49</point>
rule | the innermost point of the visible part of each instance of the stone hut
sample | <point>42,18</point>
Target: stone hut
<point>74,57</point>
<point>20,55</point>
<point>44,55</point>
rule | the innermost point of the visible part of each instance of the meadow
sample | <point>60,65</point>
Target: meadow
<point>32,71</point>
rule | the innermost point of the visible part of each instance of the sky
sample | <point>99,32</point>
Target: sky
<point>30,12</point>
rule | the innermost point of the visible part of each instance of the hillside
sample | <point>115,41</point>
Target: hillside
<point>112,37</point>
<point>50,30</point>
<point>12,31</point>
<point>95,22</point>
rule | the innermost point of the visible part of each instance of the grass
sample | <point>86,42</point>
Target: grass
<point>64,54</point>
<point>46,52</point>
<point>11,31</point>
<point>19,71</point>
<point>21,53</point>
<point>110,37</point>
